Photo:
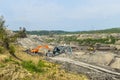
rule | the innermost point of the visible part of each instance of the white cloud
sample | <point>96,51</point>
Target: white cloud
<point>42,12</point>
<point>52,12</point>
<point>95,10</point>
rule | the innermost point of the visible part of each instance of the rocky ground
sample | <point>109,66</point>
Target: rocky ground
<point>105,59</point>
<point>30,42</point>
<point>93,72</point>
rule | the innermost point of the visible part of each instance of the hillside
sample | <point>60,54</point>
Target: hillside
<point>45,32</point>
<point>15,64</point>
<point>85,61</point>
<point>111,30</point>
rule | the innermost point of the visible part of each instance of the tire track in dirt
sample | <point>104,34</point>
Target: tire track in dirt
<point>85,65</point>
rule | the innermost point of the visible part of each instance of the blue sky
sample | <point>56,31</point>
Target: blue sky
<point>68,15</point>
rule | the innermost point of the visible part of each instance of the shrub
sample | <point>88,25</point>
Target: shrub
<point>41,64</point>
<point>49,40</point>
<point>6,42</point>
<point>30,66</point>
<point>11,49</point>
<point>1,49</point>
<point>2,65</point>
<point>22,33</point>
<point>8,59</point>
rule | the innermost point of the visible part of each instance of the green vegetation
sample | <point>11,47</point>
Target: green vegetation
<point>3,34</point>
<point>49,40</point>
<point>7,39</point>
<point>11,49</point>
<point>30,66</point>
<point>17,61</point>
<point>8,59</point>
<point>2,65</point>
<point>112,30</point>
<point>87,41</point>
<point>1,49</point>
<point>45,32</point>
<point>22,33</point>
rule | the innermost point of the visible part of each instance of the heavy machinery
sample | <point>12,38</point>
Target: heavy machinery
<point>37,49</point>
<point>50,53</point>
<point>59,50</point>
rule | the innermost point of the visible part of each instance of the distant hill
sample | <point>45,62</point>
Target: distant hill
<point>45,32</point>
<point>111,30</point>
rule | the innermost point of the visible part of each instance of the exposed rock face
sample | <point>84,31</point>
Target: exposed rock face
<point>31,41</point>
<point>9,32</point>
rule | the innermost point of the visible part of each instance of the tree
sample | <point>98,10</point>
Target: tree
<point>22,32</point>
<point>2,28</point>
<point>3,34</point>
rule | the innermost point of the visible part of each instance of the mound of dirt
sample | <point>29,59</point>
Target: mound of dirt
<point>98,58</point>
<point>116,63</point>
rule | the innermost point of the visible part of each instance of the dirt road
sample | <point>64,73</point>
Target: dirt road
<point>85,65</point>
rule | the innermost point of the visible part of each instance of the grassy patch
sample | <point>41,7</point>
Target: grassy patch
<point>8,59</point>
<point>43,70</point>
<point>1,49</point>
<point>2,65</point>
<point>11,49</point>
<point>32,67</point>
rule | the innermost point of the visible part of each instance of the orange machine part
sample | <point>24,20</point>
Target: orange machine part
<point>35,50</point>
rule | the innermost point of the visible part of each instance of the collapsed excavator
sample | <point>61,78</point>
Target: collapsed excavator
<point>59,50</point>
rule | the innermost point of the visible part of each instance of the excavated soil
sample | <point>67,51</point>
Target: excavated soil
<point>104,59</point>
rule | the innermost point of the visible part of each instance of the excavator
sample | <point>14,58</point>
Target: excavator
<point>59,50</point>
<point>37,49</point>
<point>50,53</point>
